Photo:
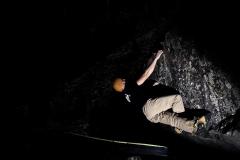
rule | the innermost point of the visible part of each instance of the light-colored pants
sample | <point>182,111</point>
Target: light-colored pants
<point>155,111</point>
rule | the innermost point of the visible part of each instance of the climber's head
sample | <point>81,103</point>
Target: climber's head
<point>119,84</point>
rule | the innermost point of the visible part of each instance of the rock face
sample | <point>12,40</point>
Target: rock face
<point>188,65</point>
<point>203,84</point>
<point>191,63</point>
<point>201,81</point>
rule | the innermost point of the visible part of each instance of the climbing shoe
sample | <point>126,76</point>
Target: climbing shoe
<point>180,131</point>
<point>202,121</point>
<point>177,130</point>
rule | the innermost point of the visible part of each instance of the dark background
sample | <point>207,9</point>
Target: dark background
<point>48,43</point>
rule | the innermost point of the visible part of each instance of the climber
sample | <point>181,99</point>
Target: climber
<point>154,106</point>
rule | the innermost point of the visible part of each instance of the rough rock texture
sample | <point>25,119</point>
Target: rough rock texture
<point>186,65</point>
<point>89,106</point>
<point>202,84</point>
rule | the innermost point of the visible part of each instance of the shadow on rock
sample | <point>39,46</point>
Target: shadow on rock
<point>230,123</point>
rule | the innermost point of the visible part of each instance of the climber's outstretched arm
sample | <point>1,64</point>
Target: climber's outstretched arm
<point>150,69</point>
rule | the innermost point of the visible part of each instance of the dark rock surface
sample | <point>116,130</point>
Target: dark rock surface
<point>199,61</point>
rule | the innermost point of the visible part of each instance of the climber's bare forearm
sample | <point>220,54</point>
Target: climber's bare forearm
<point>150,69</point>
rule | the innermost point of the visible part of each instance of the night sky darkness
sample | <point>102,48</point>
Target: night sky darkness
<point>49,43</point>
<point>46,41</point>
<point>52,42</point>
